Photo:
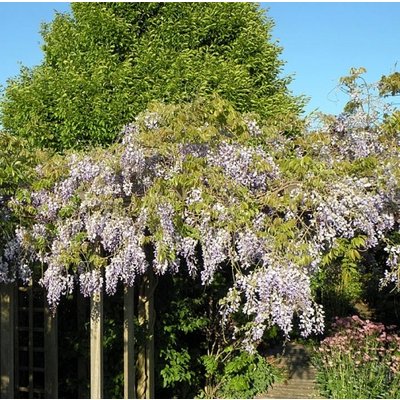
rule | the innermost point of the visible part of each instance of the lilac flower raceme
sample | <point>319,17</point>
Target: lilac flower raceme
<point>91,282</point>
<point>391,275</point>
<point>215,244</point>
<point>58,282</point>
<point>273,295</point>
<point>238,163</point>
<point>350,208</point>
<point>14,262</point>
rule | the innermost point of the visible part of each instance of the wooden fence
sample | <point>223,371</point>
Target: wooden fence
<point>21,338</point>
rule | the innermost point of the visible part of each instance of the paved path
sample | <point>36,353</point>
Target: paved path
<point>300,383</point>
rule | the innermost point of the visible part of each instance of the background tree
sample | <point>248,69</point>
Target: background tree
<point>106,61</point>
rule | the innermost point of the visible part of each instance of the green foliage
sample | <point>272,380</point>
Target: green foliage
<point>16,162</point>
<point>178,356</point>
<point>239,375</point>
<point>246,375</point>
<point>184,321</point>
<point>390,85</point>
<point>104,63</point>
<point>198,356</point>
<point>177,367</point>
<point>391,123</point>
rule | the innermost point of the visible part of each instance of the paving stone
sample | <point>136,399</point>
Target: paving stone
<point>301,375</point>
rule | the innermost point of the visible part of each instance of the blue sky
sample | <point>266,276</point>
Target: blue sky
<point>321,42</point>
<point>19,34</point>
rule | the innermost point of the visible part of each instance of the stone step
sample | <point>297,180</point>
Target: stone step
<point>299,384</point>
<point>301,374</point>
<point>285,394</point>
<point>291,396</point>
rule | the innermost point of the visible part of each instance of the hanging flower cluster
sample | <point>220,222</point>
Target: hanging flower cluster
<point>14,262</point>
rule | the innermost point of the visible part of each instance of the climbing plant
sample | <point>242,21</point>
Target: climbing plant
<point>206,189</point>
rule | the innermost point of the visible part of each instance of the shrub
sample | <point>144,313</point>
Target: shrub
<point>360,360</point>
<point>238,375</point>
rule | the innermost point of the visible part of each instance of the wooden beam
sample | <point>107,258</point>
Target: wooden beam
<point>96,346</point>
<point>30,340</point>
<point>83,365</point>
<point>129,337</point>
<point>50,355</point>
<point>7,302</point>
<point>146,318</point>
<point>151,315</point>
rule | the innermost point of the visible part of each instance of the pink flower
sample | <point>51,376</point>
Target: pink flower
<point>366,358</point>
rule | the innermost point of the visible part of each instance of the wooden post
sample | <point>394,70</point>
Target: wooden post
<point>7,300</point>
<point>146,317</point>
<point>96,346</point>
<point>83,365</point>
<point>129,337</point>
<point>50,355</point>
<point>30,339</point>
<point>151,322</point>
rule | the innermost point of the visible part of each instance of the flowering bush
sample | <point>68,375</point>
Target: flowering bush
<point>360,360</point>
<point>204,188</point>
<point>190,188</point>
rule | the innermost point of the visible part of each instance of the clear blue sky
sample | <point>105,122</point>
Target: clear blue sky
<point>321,42</point>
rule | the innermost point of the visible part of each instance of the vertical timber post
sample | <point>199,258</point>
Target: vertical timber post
<point>129,337</point>
<point>83,365</point>
<point>7,302</point>
<point>151,319</point>
<point>96,346</point>
<point>51,355</point>
<point>146,317</point>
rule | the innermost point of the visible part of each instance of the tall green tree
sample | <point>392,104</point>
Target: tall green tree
<point>105,62</point>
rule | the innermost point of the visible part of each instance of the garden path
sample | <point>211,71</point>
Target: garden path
<point>300,383</point>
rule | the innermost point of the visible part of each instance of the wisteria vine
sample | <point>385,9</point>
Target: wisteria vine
<point>169,194</point>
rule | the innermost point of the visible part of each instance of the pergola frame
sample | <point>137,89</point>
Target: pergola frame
<point>8,302</point>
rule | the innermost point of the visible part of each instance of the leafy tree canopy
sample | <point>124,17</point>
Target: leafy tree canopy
<point>106,61</point>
